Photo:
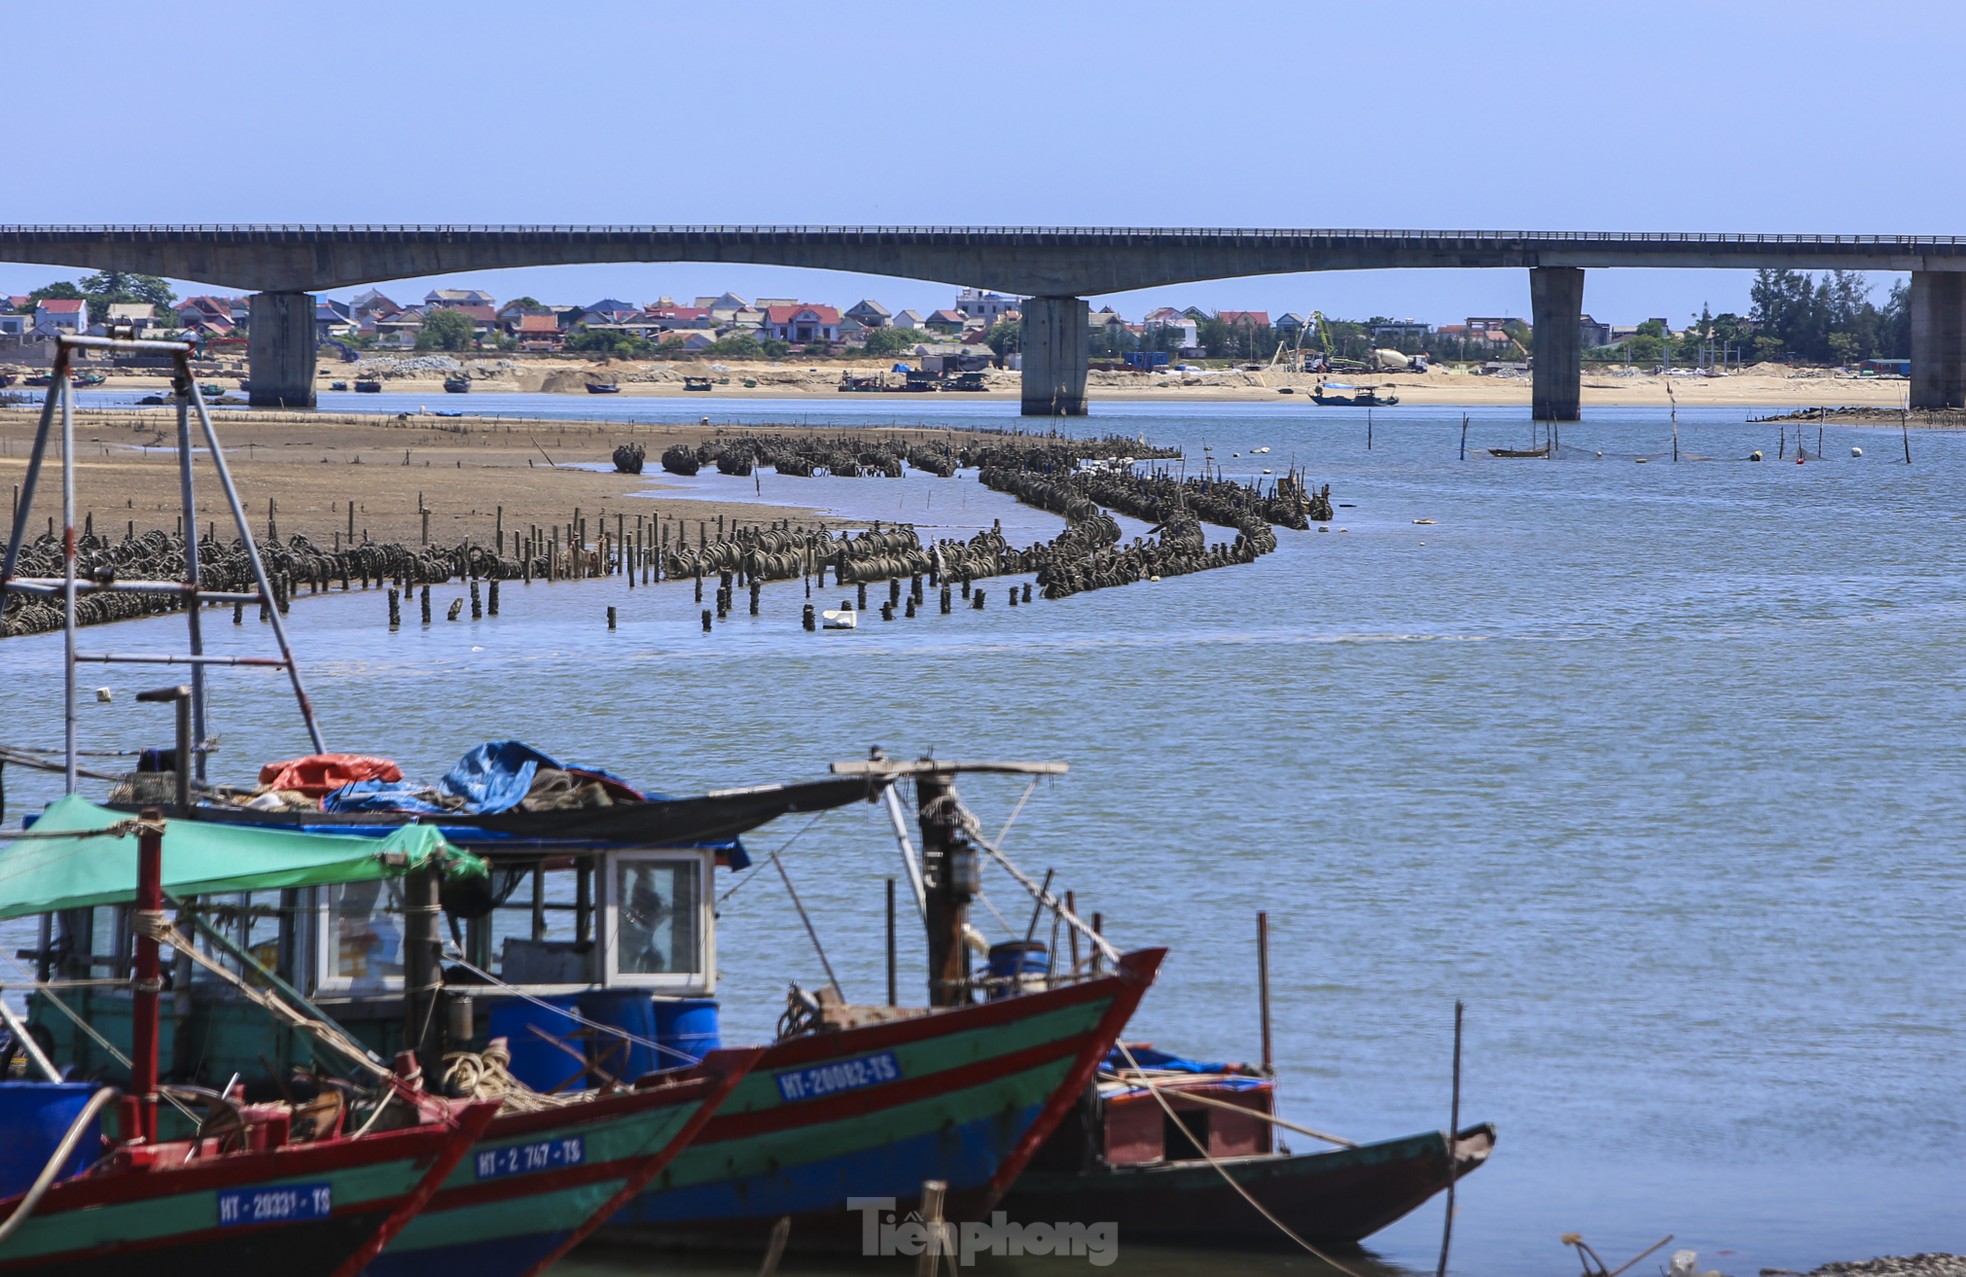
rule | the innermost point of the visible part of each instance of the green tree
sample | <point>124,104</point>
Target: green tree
<point>772,348</point>
<point>739,347</point>
<point>606,341</point>
<point>445,329</point>
<point>1003,338</point>
<point>1843,348</point>
<point>890,341</point>
<point>60,290</point>
<point>114,287</point>
<point>527,303</point>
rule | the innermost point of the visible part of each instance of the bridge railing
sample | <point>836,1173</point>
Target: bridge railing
<point>308,231</point>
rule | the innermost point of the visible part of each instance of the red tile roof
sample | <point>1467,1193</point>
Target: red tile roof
<point>62,305</point>
<point>785,314</point>
<point>1254,318</point>
<point>481,314</point>
<point>538,324</point>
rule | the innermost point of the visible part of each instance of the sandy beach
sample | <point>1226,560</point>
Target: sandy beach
<point>1772,385</point>
<point>316,466</point>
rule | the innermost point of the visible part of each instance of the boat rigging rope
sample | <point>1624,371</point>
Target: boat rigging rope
<point>155,926</point>
<point>786,847</point>
<point>1148,1083</point>
<point>1042,895</point>
<point>1223,1171</point>
<point>482,1075</point>
<point>55,1001</point>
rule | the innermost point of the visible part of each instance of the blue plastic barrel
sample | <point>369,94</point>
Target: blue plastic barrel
<point>1025,962</point>
<point>632,1011</point>
<point>535,1061</point>
<point>33,1118</point>
<point>686,1025</point>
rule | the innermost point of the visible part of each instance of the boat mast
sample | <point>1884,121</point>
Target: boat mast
<point>951,879</point>
<point>147,981</point>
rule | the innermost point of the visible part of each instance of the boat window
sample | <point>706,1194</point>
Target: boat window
<point>544,932</point>
<point>364,935</point>
<point>656,920</point>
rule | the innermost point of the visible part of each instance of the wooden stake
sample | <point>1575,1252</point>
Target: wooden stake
<point>1453,1129</point>
<point>1263,986</point>
<point>893,994</point>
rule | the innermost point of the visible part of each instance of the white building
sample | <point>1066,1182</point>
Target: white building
<point>988,307</point>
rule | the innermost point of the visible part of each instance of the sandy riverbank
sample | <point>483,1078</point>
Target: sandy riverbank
<point>1763,385</point>
<point>317,465</point>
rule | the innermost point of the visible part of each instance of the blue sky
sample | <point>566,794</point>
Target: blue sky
<point>1754,116</point>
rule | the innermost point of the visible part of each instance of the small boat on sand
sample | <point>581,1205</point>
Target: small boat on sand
<point>696,383</point>
<point>603,388</point>
<point>367,386</point>
<point>457,385</point>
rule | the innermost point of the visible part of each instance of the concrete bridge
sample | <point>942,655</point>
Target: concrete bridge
<point>1054,267</point>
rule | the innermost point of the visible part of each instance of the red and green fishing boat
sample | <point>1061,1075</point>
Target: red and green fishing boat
<point>255,1191</point>
<point>538,1183</point>
<point>961,1094</point>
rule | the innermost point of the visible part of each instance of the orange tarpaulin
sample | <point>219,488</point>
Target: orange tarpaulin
<point>320,774</point>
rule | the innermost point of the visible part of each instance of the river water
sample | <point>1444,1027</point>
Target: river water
<point>1657,766</point>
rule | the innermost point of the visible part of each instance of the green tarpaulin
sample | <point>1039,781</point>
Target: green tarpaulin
<point>38,875</point>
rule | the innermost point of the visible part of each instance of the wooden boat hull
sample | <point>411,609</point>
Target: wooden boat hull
<point>1339,1197</point>
<point>974,1091</point>
<point>174,1220</point>
<point>494,1216</point>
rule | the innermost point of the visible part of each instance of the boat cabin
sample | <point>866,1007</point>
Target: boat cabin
<point>546,942</point>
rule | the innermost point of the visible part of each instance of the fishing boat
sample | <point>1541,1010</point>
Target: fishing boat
<point>337,385</point>
<point>251,1186</point>
<point>6,380</point>
<point>603,388</point>
<point>89,380</point>
<point>1361,397</point>
<point>1173,1151</point>
<point>1542,451</point>
<point>457,385</point>
<point>697,383</point>
<point>367,386</point>
<point>39,379</point>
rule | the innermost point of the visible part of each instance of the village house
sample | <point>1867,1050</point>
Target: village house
<point>1592,333</point>
<point>1168,318</point>
<point>1245,318</point>
<point>450,298</point>
<point>400,329</point>
<point>13,324</point>
<point>1402,330</point>
<point>946,322</point>
<point>138,317</point>
<point>800,324</point>
<point>686,340</point>
<point>908,319</point>
<point>538,331</point>
<point>608,310</point>
<point>988,307</point>
<point>1105,329</point>
<point>723,308</point>
<point>869,314</point>
<point>54,315</point>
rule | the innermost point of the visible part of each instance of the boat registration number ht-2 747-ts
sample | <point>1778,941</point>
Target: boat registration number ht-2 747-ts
<point>524,1159</point>
<point>838,1075</point>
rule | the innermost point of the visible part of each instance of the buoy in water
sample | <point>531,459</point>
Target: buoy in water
<point>1425,523</point>
<point>1799,458</point>
<point>1856,452</point>
<point>1755,455</point>
<point>1153,578</point>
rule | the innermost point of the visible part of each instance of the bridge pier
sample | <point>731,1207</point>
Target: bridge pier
<point>1938,339</point>
<point>280,350</point>
<point>1556,375</point>
<point>1054,356</point>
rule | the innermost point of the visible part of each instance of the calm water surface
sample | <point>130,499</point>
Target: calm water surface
<point>1656,766</point>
